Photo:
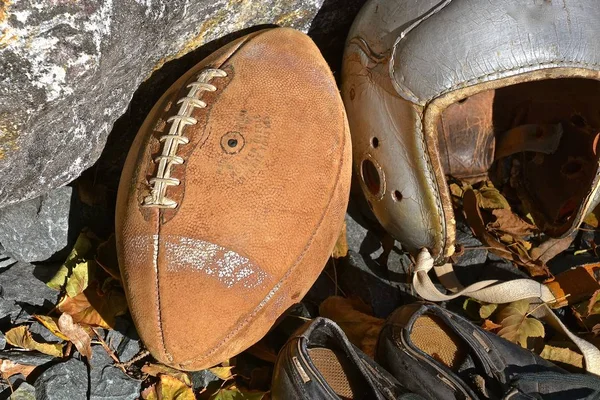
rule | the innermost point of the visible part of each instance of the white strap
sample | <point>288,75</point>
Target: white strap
<point>497,292</point>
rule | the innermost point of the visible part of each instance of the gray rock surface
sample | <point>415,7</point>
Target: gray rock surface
<point>23,286</point>
<point>26,357</point>
<point>66,380</point>
<point>68,71</point>
<point>34,230</point>
<point>124,340</point>
<point>109,382</point>
<point>24,392</point>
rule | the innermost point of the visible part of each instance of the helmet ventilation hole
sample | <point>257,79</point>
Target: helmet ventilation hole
<point>371,177</point>
<point>374,142</point>
<point>397,195</point>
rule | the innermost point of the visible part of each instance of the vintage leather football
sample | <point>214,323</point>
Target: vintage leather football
<point>232,197</point>
<point>467,87</point>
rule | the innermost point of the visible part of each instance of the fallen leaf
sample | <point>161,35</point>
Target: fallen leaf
<point>76,335</point>
<point>169,388</point>
<point>106,257</point>
<point>550,248</point>
<point>341,245</point>
<point>223,373</point>
<point>456,190</point>
<point>82,247</point>
<point>161,369</point>
<point>490,325</point>
<point>362,329</point>
<point>487,310</point>
<point>596,329</point>
<point>517,326</point>
<point>51,324</point>
<point>94,307</point>
<point>509,222</point>
<point>562,355</point>
<point>594,306</point>
<point>21,337</point>
<point>9,368</point>
<point>78,281</point>
<point>234,393</point>
<point>489,198</point>
<point>475,221</point>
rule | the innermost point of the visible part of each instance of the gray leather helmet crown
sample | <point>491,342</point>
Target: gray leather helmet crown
<point>457,87</point>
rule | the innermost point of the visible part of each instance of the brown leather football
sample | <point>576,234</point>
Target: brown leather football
<point>232,197</point>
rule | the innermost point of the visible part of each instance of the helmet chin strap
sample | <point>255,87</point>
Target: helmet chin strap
<point>499,292</point>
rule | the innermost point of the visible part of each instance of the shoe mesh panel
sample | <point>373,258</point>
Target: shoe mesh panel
<point>433,337</point>
<point>338,372</point>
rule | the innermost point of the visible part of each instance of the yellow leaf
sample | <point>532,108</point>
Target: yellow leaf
<point>341,246</point>
<point>223,373</point>
<point>490,326</point>
<point>76,335</point>
<point>362,329</point>
<point>51,324</point>
<point>234,393</point>
<point>21,337</point>
<point>517,327</point>
<point>487,309</point>
<point>81,248</point>
<point>562,355</point>
<point>489,198</point>
<point>161,369</point>
<point>169,388</point>
<point>77,282</point>
<point>95,307</point>
<point>591,219</point>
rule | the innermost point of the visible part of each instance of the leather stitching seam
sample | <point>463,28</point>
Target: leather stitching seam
<point>430,176</point>
<point>482,78</point>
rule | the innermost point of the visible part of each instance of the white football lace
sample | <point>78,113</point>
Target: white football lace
<point>175,138</point>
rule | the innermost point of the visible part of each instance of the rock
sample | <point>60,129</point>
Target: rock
<point>26,357</point>
<point>68,72</point>
<point>201,379</point>
<point>66,380</point>
<point>2,341</point>
<point>42,334</point>
<point>108,381</point>
<point>124,340</point>
<point>24,392</point>
<point>34,230</point>
<point>23,286</point>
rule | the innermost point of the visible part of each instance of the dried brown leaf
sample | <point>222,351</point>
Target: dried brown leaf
<point>362,329</point>
<point>95,307</point>
<point>490,325</point>
<point>509,222</point>
<point>551,248</point>
<point>9,368</point>
<point>76,335</point>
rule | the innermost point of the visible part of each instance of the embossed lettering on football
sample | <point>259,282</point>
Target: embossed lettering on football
<point>232,197</point>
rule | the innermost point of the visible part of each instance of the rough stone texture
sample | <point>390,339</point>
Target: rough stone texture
<point>123,340</point>
<point>24,392</point>
<point>109,382</point>
<point>43,334</point>
<point>26,357</point>
<point>23,286</point>
<point>67,380</point>
<point>34,230</point>
<point>69,69</point>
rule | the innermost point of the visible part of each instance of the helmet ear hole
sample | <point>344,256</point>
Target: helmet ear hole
<point>372,177</point>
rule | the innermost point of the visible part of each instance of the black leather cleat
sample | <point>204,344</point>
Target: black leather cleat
<point>441,355</point>
<point>319,362</point>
